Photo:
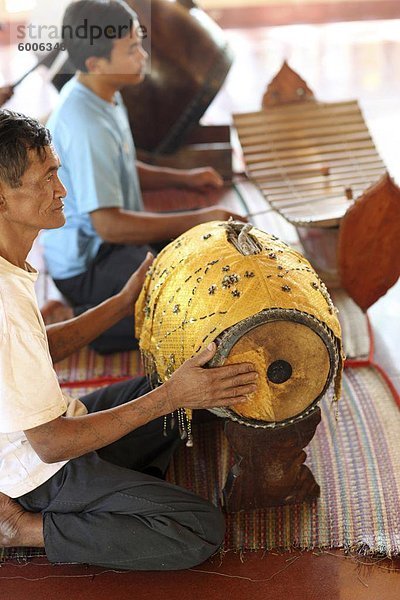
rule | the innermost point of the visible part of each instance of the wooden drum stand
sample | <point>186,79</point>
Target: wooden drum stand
<point>269,469</point>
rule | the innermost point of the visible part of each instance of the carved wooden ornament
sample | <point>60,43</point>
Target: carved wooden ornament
<point>286,87</point>
<point>369,243</point>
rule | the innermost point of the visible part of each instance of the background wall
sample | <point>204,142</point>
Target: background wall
<point>210,4</point>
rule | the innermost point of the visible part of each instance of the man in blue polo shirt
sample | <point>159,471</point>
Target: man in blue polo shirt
<point>108,233</point>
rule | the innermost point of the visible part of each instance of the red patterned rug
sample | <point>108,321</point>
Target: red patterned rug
<point>354,458</point>
<point>353,455</point>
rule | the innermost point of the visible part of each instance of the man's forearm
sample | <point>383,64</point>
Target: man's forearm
<point>67,337</point>
<point>119,226</point>
<point>66,438</point>
<point>155,178</point>
<point>191,385</point>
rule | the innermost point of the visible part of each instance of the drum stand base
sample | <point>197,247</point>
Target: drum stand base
<point>269,468</point>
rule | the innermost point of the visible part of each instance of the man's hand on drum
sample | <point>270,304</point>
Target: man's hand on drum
<point>193,386</point>
<point>131,290</point>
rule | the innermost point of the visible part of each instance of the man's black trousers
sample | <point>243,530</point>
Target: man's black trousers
<point>107,508</point>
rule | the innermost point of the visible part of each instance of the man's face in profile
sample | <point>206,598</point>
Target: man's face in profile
<point>38,202</point>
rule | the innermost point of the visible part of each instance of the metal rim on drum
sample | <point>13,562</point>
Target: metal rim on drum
<point>228,339</point>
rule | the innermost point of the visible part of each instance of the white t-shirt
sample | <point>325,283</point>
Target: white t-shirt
<point>30,394</point>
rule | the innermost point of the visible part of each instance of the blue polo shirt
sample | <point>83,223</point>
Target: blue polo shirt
<point>94,142</point>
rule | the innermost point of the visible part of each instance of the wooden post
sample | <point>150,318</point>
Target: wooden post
<point>269,468</point>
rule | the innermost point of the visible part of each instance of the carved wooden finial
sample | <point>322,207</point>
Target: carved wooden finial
<point>285,88</point>
<point>239,235</point>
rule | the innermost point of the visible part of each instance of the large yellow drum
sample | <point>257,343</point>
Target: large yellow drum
<point>261,302</point>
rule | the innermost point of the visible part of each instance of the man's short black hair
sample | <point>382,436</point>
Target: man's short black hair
<point>90,28</point>
<point>18,135</point>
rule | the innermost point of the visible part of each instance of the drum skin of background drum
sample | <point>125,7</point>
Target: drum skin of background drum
<point>268,307</point>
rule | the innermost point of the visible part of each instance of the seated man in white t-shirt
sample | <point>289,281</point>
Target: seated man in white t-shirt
<point>84,478</point>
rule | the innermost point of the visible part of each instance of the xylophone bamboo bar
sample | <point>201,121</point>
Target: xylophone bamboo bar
<point>288,111</point>
<point>361,149</point>
<point>360,157</point>
<point>326,181</point>
<point>318,169</point>
<point>300,134</point>
<point>301,123</point>
<point>305,143</point>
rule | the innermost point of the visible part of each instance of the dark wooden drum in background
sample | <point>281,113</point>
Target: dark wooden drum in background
<point>189,60</point>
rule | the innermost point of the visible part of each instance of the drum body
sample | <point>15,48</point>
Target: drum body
<point>188,61</point>
<point>260,301</point>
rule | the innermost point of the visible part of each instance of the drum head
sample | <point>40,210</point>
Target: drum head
<point>295,360</point>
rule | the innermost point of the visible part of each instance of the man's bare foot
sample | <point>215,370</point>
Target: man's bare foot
<point>55,311</point>
<point>19,527</point>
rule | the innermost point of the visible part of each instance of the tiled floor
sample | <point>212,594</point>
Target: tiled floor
<point>339,61</point>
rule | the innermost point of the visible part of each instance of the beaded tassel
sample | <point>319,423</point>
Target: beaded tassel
<point>165,426</point>
<point>185,426</point>
<point>189,442</point>
<point>181,423</point>
<point>171,423</point>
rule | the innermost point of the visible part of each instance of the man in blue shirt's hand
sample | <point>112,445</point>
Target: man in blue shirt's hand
<point>108,234</point>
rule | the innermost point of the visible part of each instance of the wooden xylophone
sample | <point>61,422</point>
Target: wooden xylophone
<point>311,160</point>
<point>317,165</point>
